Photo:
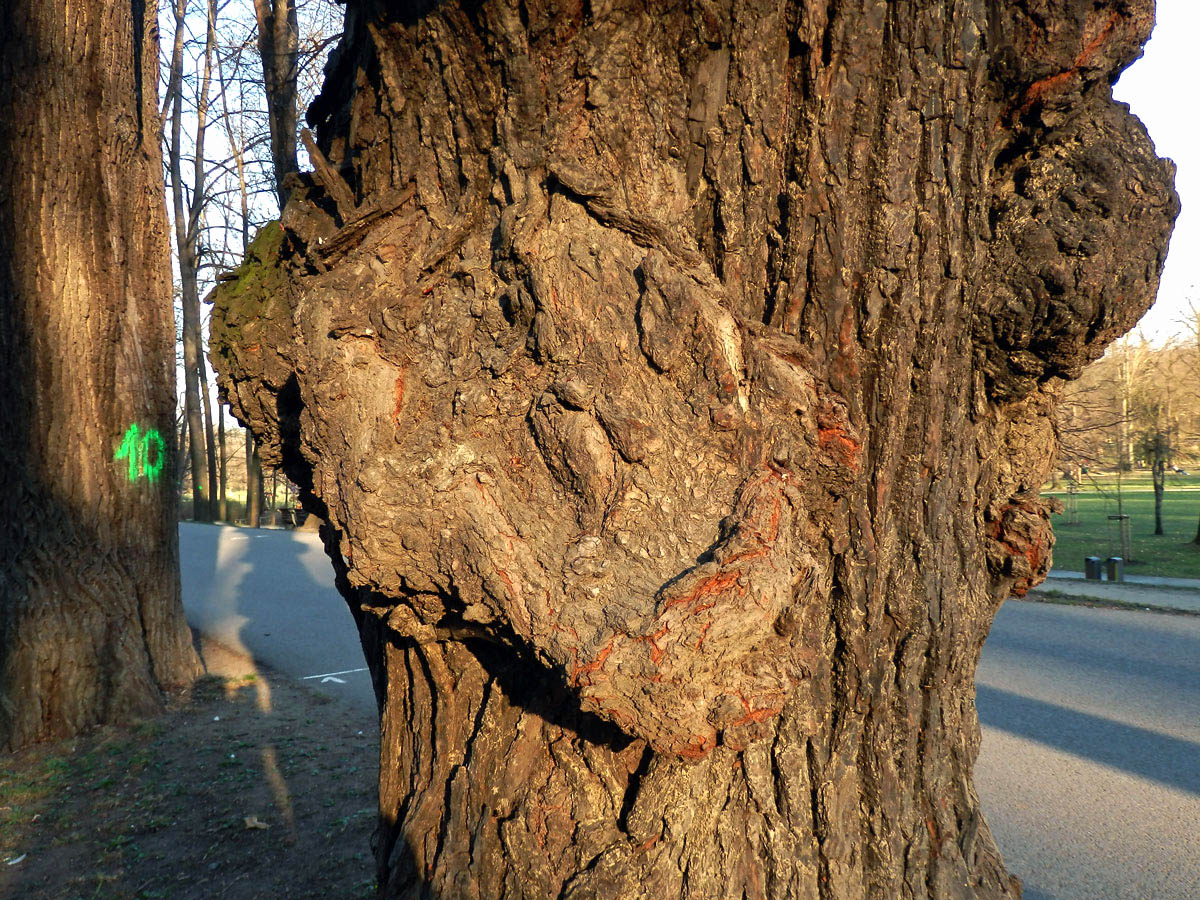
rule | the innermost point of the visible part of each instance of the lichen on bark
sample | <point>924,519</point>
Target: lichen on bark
<point>675,385</point>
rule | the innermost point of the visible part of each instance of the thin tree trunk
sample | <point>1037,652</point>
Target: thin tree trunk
<point>254,486</point>
<point>1159,476</point>
<point>181,457</point>
<point>676,399</point>
<point>210,444</point>
<point>278,48</point>
<point>223,514</point>
<point>91,625</point>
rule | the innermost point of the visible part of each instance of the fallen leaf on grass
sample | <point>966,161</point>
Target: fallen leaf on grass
<point>255,823</point>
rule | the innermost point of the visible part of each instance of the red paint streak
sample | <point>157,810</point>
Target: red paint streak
<point>1035,551</point>
<point>1093,45</point>
<point>761,551</point>
<point>715,584</point>
<point>757,715</point>
<point>1044,86</point>
<point>595,663</point>
<point>696,748</point>
<point>656,652</point>
<point>507,581</point>
<point>650,843</point>
<point>835,442</point>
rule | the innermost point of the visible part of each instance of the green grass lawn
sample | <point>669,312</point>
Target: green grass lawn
<point>1172,554</point>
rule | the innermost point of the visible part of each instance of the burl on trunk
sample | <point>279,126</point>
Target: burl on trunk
<point>675,382</point>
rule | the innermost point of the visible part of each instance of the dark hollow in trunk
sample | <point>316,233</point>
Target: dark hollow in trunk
<point>675,383</point>
<point>91,624</point>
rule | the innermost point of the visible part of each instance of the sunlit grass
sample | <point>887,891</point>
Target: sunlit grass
<point>1172,554</point>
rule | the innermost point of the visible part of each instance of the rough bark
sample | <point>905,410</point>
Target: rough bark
<point>91,625</point>
<point>675,382</point>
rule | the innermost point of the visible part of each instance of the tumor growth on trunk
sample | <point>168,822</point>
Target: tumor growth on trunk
<point>675,384</point>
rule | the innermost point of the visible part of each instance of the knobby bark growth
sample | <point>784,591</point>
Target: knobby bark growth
<point>91,625</point>
<point>675,382</point>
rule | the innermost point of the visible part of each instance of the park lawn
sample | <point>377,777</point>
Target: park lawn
<point>1172,554</point>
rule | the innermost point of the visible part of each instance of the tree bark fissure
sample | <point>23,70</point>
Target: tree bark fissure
<point>679,434</point>
<point>92,630</point>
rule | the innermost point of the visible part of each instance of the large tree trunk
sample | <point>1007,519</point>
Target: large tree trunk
<point>91,625</point>
<point>675,383</point>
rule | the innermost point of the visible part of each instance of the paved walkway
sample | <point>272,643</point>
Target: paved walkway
<point>1136,590</point>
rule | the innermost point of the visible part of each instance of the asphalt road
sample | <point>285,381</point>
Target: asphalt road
<point>1090,766</point>
<point>269,594</point>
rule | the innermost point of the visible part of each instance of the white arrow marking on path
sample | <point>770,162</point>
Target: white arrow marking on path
<point>331,678</point>
<point>326,676</point>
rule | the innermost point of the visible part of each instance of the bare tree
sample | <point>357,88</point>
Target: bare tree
<point>188,202</point>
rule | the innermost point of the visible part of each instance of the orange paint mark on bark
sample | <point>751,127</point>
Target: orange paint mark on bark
<point>656,652</point>
<point>507,581</point>
<point>1035,549</point>
<point>650,843</point>
<point>761,551</point>
<point>703,632</point>
<point>757,715</point>
<point>835,442</point>
<point>776,515</point>
<point>1044,86</point>
<point>696,748</point>
<point>595,663</point>
<point>1090,48</point>
<point>933,836</point>
<point>714,584</point>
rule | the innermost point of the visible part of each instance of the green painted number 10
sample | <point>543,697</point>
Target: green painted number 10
<point>135,447</point>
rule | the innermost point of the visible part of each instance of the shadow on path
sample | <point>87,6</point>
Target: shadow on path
<point>1168,760</point>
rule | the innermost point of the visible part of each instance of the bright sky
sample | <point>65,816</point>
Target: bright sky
<point>1157,88</point>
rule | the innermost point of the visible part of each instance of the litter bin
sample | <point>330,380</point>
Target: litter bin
<point>1093,568</point>
<point>1116,568</point>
